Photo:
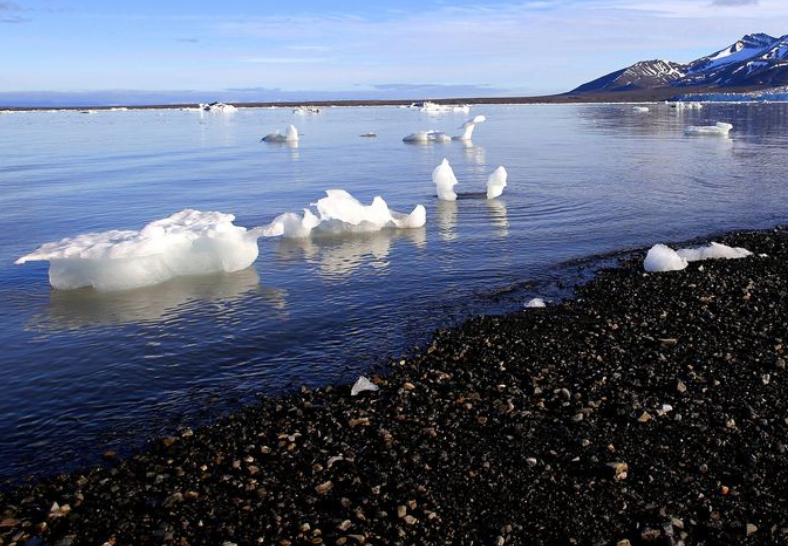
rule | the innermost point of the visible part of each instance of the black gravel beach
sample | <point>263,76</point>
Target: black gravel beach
<point>648,409</point>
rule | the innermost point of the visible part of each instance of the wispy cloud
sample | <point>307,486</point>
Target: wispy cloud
<point>284,60</point>
<point>13,19</point>
<point>734,2</point>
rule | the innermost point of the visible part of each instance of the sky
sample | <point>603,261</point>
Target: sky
<point>160,50</point>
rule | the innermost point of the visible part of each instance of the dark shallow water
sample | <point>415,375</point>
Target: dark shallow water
<point>83,371</point>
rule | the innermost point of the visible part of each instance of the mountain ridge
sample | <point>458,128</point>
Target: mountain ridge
<point>756,61</point>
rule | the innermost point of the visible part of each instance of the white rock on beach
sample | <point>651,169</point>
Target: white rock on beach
<point>362,385</point>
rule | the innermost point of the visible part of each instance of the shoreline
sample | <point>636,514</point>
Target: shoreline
<point>542,426</point>
<point>642,96</point>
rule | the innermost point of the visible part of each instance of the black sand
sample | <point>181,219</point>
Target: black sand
<point>546,426</point>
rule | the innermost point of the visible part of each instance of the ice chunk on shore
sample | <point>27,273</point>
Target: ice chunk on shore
<point>189,242</point>
<point>291,135</point>
<point>535,303</point>
<point>427,136</point>
<point>469,126</point>
<point>662,258</point>
<point>444,180</point>
<point>713,251</point>
<point>496,182</point>
<point>718,129</point>
<point>362,385</point>
<point>339,212</point>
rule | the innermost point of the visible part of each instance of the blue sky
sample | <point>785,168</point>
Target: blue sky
<point>527,47</point>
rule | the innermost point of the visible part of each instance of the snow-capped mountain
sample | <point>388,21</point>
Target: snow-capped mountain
<point>757,60</point>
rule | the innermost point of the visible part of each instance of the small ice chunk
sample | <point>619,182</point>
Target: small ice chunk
<point>189,242</point>
<point>219,107</point>
<point>291,135</point>
<point>291,225</point>
<point>662,258</point>
<point>535,303</point>
<point>713,251</point>
<point>496,182</point>
<point>363,384</point>
<point>718,129</point>
<point>304,110</point>
<point>339,212</point>
<point>665,409</point>
<point>469,126</point>
<point>640,109</point>
<point>421,137</point>
<point>444,180</point>
<point>434,108</point>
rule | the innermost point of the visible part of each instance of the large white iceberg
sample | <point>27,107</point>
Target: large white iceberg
<point>469,126</point>
<point>444,180</point>
<point>718,129</point>
<point>496,182</point>
<point>290,135</point>
<point>189,242</point>
<point>339,212</point>
<point>713,251</point>
<point>661,258</point>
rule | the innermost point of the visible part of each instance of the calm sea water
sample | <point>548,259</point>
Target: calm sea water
<point>83,372</point>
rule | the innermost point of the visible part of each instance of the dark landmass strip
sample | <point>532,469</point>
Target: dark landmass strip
<point>638,95</point>
<point>651,408</point>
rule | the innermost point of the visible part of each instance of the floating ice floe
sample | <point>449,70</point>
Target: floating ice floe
<point>713,251</point>
<point>680,105</point>
<point>661,258</point>
<point>306,110</point>
<point>535,303</point>
<point>427,136</point>
<point>469,126</point>
<point>444,180</point>
<point>718,129</point>
<point>640,109</point>
<point>496,182</point>
<point>291,135</point>
<point>362,385</point>
<point>338,213</point>
<point>189,242</point>
<point>434,108</point>
<point>218,108</point>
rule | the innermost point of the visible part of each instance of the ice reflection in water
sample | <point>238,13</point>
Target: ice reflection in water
<point>86,307</point>
<point>339,256</point>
